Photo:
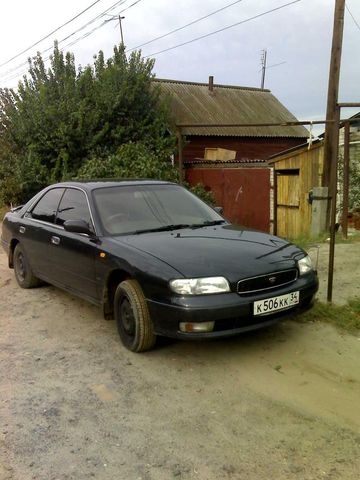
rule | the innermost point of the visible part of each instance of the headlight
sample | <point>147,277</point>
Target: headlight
<point>305,265</point>
<point>200,286</point>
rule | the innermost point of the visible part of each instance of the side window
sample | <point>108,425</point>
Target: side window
<point>46,207</point>
<point>73,206</point>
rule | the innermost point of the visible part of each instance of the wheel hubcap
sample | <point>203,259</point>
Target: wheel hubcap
<point>127,317</point>
<point>21,270</point>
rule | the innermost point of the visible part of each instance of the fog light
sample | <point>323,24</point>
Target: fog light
<point>197,327</point>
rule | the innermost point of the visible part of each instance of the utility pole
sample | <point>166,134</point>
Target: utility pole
<point>263,67</point>
<point>332,126</point>
<point>119,18</point>
<point>121,30</point>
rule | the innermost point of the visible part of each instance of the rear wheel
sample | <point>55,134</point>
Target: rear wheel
<point>23,273</point>
<point>132,317</point>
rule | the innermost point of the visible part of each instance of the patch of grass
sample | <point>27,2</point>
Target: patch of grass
<point>354,304</point>
<point>346,317</point>
<point>306,242</point>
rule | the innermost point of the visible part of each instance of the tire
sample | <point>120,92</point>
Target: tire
<point>132,317</point>
<point>23,273</point>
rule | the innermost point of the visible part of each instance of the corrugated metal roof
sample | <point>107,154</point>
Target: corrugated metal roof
<point>297,149</point>
<point>193,103</point>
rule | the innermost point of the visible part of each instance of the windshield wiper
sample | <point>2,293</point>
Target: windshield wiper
<point>164,228</point>
<point>208,223</point>
<point>169,228</point>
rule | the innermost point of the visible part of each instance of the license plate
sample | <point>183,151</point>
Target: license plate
<point>273,304</point>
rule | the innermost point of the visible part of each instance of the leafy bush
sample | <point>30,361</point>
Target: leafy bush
<point>199,190</point>
<point>133,160</point>
<point>21,178</point>
<point>104,120</point>
<point>136,160</point>
<point>354,180</point>
<point>60,117</point>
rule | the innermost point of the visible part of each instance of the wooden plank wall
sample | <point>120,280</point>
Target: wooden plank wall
<point>245,147</point>
<point>296,174</point>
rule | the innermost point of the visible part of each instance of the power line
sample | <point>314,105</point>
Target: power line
<point>112,7</point>
<point>184,26</point>
<point>170,48</point>
<point>49,34</point>
<point>276,64</point>
<point>87,34</point>
<point>223,29</point>
<point>23,64</point>
<point>352,16</point>
<point>6,77</point>
<point>132,5</point>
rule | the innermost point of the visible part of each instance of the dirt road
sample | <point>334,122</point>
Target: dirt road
<point>74,404</point>
<point>347,271</point>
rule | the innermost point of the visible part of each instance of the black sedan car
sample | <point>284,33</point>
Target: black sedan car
<point>156,258</point>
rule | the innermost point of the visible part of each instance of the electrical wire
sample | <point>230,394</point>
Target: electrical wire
<point>276,64</point>
<point>6,76</point>
<point>132,5</point>
<point>23,64</point>
<point>49,34</point>
<point>223,29</point>
<point>179,45</point>
<point>184,26</point>
<point>352,16</point>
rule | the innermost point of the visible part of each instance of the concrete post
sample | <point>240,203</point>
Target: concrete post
<point>319,210</point>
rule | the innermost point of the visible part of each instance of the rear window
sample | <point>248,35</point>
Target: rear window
<point>46,207</point>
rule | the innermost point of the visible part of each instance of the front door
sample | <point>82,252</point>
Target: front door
<point>73,255</point>
<point>288,217</point>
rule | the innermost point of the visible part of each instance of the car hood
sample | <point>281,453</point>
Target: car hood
<point>227,250</point>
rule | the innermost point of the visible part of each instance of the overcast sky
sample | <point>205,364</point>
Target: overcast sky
<point>299,34</point>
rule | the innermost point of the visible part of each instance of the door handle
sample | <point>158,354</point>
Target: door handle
<point>55,240</point>
<point>22,229</point>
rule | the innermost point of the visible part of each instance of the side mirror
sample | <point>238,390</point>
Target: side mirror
<point>219,210</point>
<point>78,226</point>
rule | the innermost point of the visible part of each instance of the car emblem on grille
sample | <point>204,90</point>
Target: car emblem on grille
<point>272,280</point>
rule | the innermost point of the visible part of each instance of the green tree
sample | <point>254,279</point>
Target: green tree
<point>62,119</point>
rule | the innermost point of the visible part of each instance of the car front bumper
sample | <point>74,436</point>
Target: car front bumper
<point>231,312</point>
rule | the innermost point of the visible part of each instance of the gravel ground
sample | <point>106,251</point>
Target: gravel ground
<point>282,403</point>
<point>346,271</point>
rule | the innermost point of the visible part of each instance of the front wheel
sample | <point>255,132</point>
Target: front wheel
<point>132,317</point>
<point>22,269</point>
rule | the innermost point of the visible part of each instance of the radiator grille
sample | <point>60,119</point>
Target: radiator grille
<point>266,282</point>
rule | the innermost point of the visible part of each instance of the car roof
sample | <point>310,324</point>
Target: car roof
<point>111,182</point>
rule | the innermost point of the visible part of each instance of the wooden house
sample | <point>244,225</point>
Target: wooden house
<point>232,161</point>
<point>208,103</point>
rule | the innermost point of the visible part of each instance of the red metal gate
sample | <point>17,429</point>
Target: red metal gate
<point>244,193</point>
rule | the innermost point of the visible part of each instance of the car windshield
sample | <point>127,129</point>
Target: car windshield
<point>143,208</point>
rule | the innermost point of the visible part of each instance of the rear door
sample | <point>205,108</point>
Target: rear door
<point>35,231</point>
